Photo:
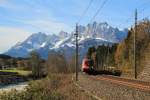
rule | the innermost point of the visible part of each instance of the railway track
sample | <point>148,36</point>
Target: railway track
<point>122,81</point>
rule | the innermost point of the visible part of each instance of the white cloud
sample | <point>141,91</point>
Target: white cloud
<point>44,21</point>
<point>49,26</point>
<point>9,36</point>
<point>2,1</point>
<point>6,4</point>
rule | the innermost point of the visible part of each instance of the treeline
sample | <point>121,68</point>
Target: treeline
<point>33,63</point>
<point>103,56</point>
<point>57,63</point>
<point>8,62</point>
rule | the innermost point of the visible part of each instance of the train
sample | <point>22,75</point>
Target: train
<point>89,67</point>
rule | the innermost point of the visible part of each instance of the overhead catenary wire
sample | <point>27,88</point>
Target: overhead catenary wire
<point>147,16</point>
<point>140,10</point>
<point>130,19</point>
<point>85,11</point>
<point>76,34</point>
<point>99,9</point>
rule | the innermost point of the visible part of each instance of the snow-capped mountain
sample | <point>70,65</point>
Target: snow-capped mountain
<point>103,30</point>
<point>91,35</point>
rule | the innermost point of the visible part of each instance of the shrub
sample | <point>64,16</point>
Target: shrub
<point>56,63</point>
<point>45,89</point>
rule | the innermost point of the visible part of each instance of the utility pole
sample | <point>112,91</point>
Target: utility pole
<point>135,32</point>
<point>76,34</point>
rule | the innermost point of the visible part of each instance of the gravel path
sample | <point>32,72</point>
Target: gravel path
<point>110,91</point>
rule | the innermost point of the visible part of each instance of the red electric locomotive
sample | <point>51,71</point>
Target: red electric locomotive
<point>87,65</point>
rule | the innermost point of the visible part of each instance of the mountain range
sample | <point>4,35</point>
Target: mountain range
<point>93,34</point>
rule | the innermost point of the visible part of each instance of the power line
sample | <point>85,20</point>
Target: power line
<point>126,21</point>
<point>141,10</point>
<point>99,9</point>
<point>129,19</point>
<point>76,34</point>
<point>85,11</point>
<point>148,16</point>
<point>142,6</point>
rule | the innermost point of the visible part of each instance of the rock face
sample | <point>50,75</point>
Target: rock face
<point>145,74</point>
<point>91,35</point>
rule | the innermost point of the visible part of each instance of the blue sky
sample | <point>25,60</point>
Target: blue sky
<point>21,18</point>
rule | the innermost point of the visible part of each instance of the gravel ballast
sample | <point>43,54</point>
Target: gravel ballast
<point>111,91</point>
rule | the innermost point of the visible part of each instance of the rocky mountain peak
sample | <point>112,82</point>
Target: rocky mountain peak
<point>63,34</point>
<point>90,35</point>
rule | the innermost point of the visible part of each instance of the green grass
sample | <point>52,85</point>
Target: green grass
<point>20,72</point>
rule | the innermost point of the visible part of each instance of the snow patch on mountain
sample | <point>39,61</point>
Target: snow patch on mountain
<point>43,45</point>
<point>93,34</point>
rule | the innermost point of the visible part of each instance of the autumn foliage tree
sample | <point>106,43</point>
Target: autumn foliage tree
<point>125,50</point>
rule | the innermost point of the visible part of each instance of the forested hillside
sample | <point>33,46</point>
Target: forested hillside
<point>125,50</point>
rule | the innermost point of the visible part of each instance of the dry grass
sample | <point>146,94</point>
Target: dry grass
<point>69,90</point>
<point>54,87</point>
